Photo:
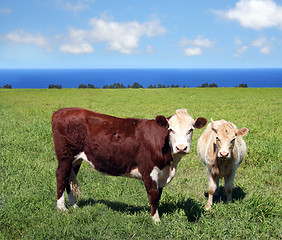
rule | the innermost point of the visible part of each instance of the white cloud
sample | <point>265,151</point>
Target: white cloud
<point>240,51</point>
<point>199,41</point>
<point>259,42</point>
<point>74,7</point>
<point>266,49</point>
<point>5,11</point>
<point>192,51</point>
<point>238,41</point>
<point>240,47</point>
<point>256,14</point>
<point>122,37</point>
<point>150,49</point>
<point>20,36</point>
<point>195,45</point>
<point>265,46</point>
<point>78,48</point>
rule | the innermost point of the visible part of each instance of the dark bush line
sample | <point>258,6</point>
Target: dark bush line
<point>212,85</point>
<point>7,86</point>
<point>244,85</point>
<point>137,85</point>
<point>55,86</point>
<point>88,86</point>
<point>134,85</point>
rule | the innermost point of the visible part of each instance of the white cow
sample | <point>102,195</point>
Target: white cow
<point>221,148</point>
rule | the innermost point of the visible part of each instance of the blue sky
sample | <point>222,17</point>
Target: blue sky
<point>140,34</point>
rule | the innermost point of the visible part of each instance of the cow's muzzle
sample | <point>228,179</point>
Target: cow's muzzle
<point>224,154</point>
<point>181,148</point>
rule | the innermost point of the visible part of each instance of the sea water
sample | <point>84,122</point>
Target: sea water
<point>72,78</point>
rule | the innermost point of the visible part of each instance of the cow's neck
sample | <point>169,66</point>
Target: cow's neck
<point>168,172</point>
<point>176,159</point>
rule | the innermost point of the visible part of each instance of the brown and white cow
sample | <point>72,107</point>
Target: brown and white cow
<point>148,150</point>
<point>221,148</point>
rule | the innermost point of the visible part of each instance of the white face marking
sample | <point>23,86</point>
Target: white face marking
<point>61,203</point>
<point>181,126</point>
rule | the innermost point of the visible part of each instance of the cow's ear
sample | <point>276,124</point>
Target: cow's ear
<point>242,132</point>
<point>162,121</point>
<point>200,122</point>
<point>213,126</point>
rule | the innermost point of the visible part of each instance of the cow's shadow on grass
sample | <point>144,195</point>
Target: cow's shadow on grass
<point>220,196</point>
<point>116,206</point>
<point>192,209</point>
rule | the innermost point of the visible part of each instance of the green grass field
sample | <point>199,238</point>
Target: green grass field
<point>118,208</point>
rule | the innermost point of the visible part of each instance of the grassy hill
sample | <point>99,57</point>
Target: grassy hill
<point>118,208</point>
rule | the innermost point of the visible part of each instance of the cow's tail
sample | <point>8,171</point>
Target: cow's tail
<point>73,183</point>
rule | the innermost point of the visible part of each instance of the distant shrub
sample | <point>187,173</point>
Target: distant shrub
<point>135,85</point>
<point>243,85</point>
<point>204,85</point>
<point>213,85</point>
<point>152,86</point>
<point>90,86</point>
<point>86,86</point>
<point>82,86</point>
<point>174,86</point>
<point>7,86</point>
<point>55,86</point>
<point>161,86</point>
<point>114,86</point>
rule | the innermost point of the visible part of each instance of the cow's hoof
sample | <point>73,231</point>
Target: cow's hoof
<point>62,208</point>
<point>208,207</point>
<point>75,206</point>
<point>156,218</point>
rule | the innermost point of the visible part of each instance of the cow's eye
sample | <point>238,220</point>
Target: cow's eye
<point>171,131</point>
<point>217,139</point>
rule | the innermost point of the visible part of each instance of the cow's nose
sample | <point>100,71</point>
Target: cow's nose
<point>181,148</point>
<point>224,154</point>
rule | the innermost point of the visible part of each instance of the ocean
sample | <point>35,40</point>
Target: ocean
<point>72,78</point>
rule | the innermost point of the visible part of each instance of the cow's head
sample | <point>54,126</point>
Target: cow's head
<point>180,127</point>
<point>226,134</point>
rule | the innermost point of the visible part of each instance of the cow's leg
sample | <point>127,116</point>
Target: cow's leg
<point>154,195</point>
<point>212,179</point>
<point>228,184</point>
<point>62,174</point>
<point>72,187</point>
<point>216,193</point>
